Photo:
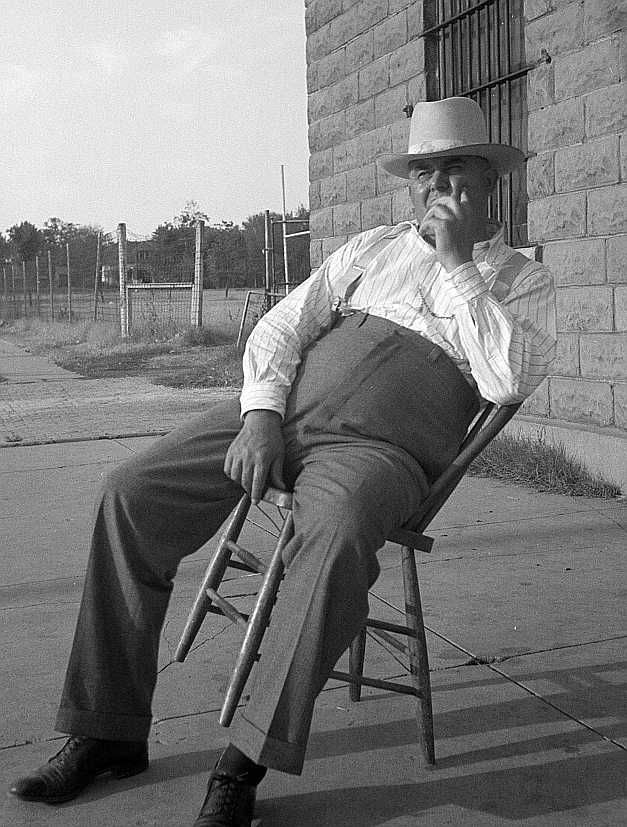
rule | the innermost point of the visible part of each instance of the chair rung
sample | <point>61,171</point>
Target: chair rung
<point>216,610</point>
<point>245,555</point>
<point>389,627</point>
<point>381,636</point>
<point>229,610</point>
<point>391,686</point>
<point>235,564</point>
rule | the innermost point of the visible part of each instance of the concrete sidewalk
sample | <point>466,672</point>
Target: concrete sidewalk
<point>40,402</point>
<point>524,597</point>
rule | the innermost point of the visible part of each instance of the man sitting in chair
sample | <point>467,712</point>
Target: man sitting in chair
<point>359,387</point>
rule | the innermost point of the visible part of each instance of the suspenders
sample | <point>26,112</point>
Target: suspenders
<point>341,304</point>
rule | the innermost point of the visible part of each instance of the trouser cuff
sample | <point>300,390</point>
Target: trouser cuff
<point>103,725</point>
<point>265,750</point>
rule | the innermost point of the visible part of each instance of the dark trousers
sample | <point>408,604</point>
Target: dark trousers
<point>350,489</point>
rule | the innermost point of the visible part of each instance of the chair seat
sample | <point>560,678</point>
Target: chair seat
<point>402,536</point>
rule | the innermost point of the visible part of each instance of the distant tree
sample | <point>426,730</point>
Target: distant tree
<point>57,232</point>
<point>25,240</point>
<point>82,238</point>
<point>5,248</point>
<point>233,255</point>
<point>253,229</point>
<point>254,232</point>
<point>225,260</point>
<point>190,215</point>
<point>174,243</point>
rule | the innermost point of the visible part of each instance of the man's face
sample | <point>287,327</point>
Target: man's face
<point>431,179</point>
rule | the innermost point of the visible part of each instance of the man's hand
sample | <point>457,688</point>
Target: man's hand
<point>257,454</point>
<point>456,225</point>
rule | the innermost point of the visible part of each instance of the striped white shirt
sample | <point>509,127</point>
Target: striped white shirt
<point>494,316</point>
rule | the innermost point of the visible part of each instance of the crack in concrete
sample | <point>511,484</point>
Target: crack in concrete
<point>30,443</point>
<point>170,645</point>
<point>38,605</point>
<point>30,741</point>
<point>194,648</point>
<point>591,510</point>
<point>557,708</point>
<point>488,660</point>
<point>60,467</point>
<point>489,663</point>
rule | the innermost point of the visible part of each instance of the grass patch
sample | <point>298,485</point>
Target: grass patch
<point>45,337</point>
<point>525,460</point>
<point>201,367</point>
<point>186,358</point>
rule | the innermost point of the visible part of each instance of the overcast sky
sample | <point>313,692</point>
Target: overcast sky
<point>122,111</point>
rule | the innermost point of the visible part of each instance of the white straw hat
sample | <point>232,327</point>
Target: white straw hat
<point>453,126</point>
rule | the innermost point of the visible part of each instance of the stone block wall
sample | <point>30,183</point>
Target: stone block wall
<point>578,200</point>
<point>365,63</point>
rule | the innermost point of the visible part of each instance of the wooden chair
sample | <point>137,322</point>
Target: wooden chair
<point>410,538</point>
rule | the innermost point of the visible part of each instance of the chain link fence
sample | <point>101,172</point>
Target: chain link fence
<point>56,286</point>
<point>173,279</point>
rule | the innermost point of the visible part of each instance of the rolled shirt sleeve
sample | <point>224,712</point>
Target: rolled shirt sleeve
<point>511,343</point>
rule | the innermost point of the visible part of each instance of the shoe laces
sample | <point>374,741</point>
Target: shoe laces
<point>57,764</point>
<point>224,793</point>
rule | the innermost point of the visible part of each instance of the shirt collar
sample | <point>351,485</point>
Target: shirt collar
<point>490,249</point>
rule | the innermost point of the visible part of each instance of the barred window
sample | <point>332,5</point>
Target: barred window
<point>476,48</point>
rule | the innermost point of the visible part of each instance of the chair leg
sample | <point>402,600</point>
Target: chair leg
<point>213,576</point>
<point>257,624</point>
<point>356,655</point>
<point>418,656</point>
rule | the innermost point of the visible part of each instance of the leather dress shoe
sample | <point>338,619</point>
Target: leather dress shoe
<point>77,764</point>
<point>230,801</point>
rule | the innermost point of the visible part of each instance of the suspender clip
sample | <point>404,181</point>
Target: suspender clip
<point>342,308</point>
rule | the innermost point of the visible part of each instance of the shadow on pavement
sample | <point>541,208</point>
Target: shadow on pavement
<point>510,794</point>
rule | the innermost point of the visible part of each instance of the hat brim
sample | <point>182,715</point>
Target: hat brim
<point>502,157</point>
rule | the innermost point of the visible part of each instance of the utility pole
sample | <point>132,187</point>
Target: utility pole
<point>284,226</point>
<point>50,285</point>
<point>69,282</point>
<point>97,275</point>
<point>122,278</point>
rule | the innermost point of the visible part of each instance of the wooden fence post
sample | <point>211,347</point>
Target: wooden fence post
<point>50,285</point>
<point>268,253</point>
<point>13,296</point>
<point>196,308</point>
<point>69,282</point>
<point>97,275</point>
<point>122,278</point>
<point>24,287</point>
<point>37,285</point>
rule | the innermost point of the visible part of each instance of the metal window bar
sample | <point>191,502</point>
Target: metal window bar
<point>480,54</point>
